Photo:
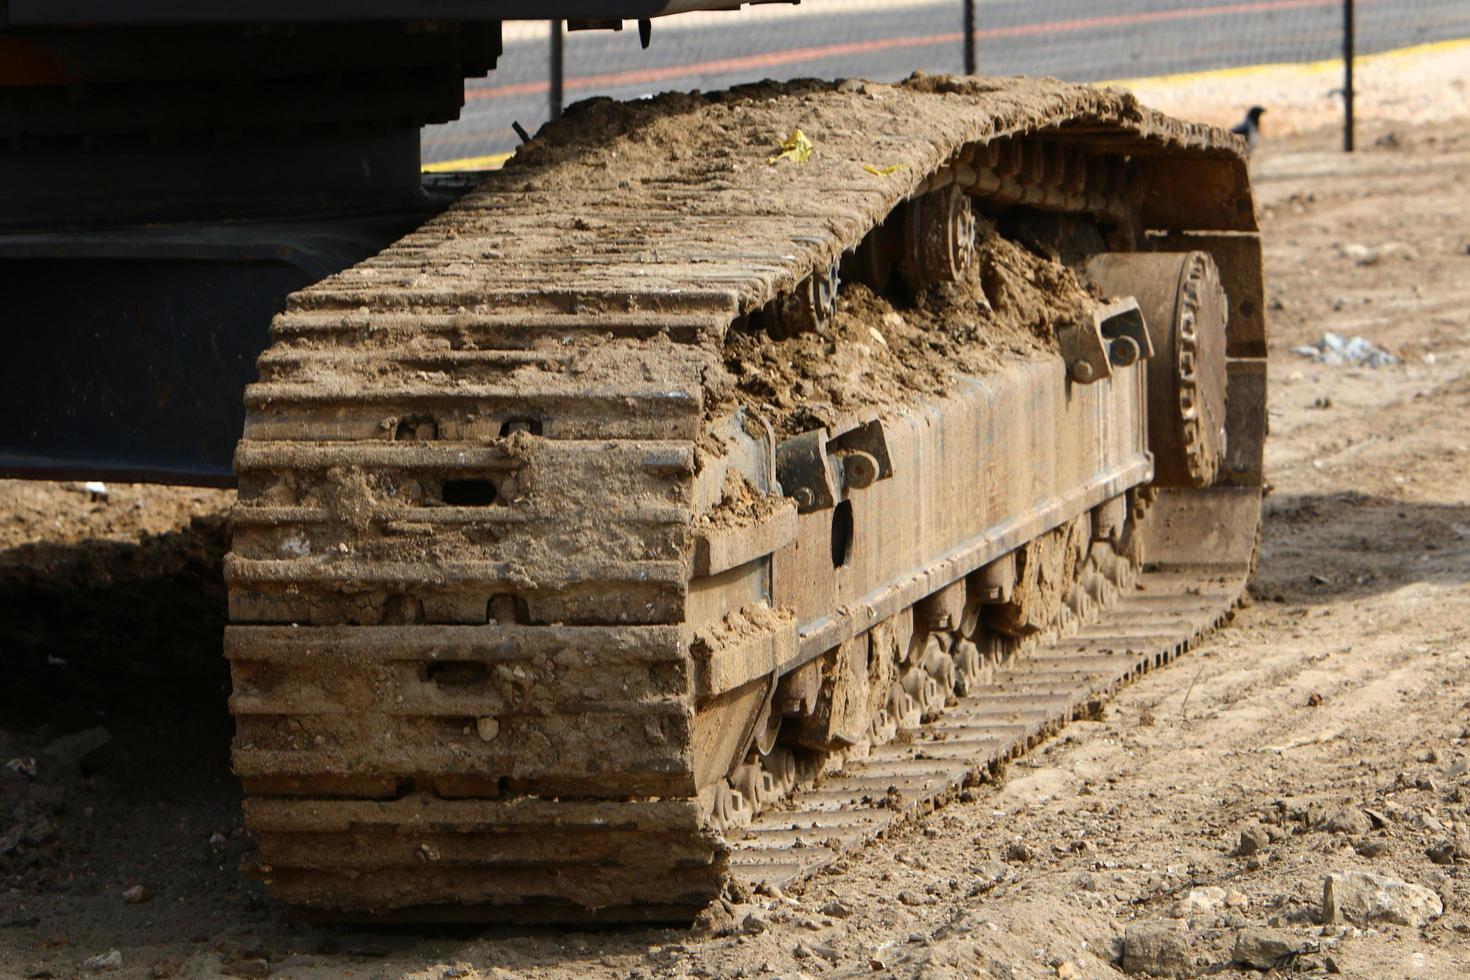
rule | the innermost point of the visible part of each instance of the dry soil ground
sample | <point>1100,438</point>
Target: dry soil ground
<point>1344,684</point>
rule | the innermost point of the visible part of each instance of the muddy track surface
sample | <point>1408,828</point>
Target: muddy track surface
<point>481,666</point>
<point>1342,688</point>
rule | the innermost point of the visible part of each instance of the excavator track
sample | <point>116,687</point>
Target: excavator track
<point>539,614</point>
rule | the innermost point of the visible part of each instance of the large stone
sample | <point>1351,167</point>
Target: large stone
<point>1264,949</point>
<point>1363,897</point>
<point>1156,949</point>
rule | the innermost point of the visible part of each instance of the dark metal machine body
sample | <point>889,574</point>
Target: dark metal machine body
<point>171,170</point>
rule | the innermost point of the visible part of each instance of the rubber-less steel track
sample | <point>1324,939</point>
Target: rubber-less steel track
<point>477,648</point>
<point>1046,687</point>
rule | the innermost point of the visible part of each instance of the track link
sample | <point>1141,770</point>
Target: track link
<point>482,645</point>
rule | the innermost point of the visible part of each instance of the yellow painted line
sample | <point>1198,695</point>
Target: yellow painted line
<point>493,161</point>
<point>1304,67</point>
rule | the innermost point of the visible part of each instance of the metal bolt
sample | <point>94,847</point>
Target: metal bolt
<point>1123,351</point>
<point>860,469</point>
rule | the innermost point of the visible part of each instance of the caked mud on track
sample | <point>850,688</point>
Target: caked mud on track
<point>661,513</point>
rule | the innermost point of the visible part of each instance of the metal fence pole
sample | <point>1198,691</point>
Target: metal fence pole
<point>1347,75</point>
<point>556,69</point>
<point>970,63</point>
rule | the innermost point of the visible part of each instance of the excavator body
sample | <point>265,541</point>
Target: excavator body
<point>727,477</point>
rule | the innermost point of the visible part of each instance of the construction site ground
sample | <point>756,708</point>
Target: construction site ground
<point>1330,724</point>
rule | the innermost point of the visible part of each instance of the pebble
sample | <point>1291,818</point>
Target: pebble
<point>1361,896</point>
<point>136,894</point>
<point>836,909</point>
<point>1156,949</point>
<point>110,960</point>
<point>1069,971</point>
<point>1264,949</point>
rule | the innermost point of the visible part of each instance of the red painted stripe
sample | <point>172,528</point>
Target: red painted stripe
<point>773,59</point>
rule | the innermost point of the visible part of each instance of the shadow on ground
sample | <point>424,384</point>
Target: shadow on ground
<point>1321,548</point>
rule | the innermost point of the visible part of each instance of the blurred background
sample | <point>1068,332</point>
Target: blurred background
<point>885,40</point>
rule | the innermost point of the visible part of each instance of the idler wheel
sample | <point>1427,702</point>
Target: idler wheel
<point>938,235</point>
<point>1186,310</point>
<point>810,306</point>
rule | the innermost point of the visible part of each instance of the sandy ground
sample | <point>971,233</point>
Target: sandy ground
<point>1426,84</point>
<point>1344,685</point>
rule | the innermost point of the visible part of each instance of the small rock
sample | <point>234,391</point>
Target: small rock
<point>1359,253</point>
<point>487,729</point>
<point>110,960</point>
<point>1236,900</point>
<point>988,874</point>
<point>1253,838</point>
<point>1018,851</point>
<point>136,894</point>
<point>1361,897</point>
<point>836,909</point>
<point>1068,970</point>
<point>1349,820</point>
<point>1199,901</point>
<point>909,897</point>
<point>754,923</point>
<point>808,948</point>
<point>39,832</point>
<point>1264,949</point>
<point>1370,848</point>
<point>1156,949</point>
<point>1444,852</point>
<point>71,749</point>
<point>1428,824</point>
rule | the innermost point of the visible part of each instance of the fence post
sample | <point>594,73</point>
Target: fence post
<point>556,69</point>
<point>1348,46</point>
<point>970,64</point>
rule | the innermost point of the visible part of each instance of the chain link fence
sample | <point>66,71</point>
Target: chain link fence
<point>1078,40</point>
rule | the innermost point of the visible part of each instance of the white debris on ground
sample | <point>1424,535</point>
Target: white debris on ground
<point>1335,349</point>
